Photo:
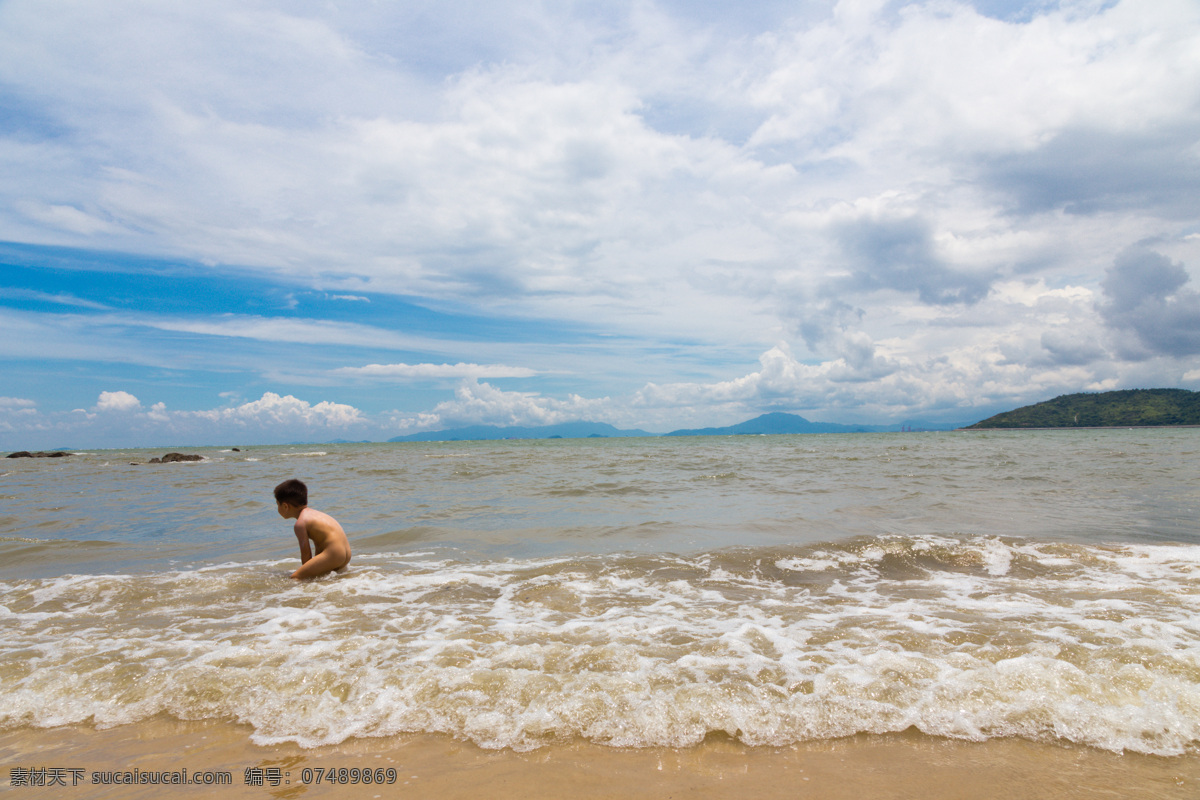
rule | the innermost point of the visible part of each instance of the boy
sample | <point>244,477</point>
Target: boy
<point>328,538</point>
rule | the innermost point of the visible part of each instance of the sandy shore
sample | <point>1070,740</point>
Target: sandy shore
<point>906,765</point>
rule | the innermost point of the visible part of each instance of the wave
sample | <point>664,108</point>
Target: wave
<point>964,637</point>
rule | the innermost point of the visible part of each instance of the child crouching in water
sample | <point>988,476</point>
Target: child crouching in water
<point>328,538</point>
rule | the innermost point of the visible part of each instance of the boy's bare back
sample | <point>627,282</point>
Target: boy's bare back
<point>332,548</point>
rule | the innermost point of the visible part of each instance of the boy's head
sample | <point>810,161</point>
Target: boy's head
<point>293,492</point>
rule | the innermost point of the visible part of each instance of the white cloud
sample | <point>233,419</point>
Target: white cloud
<point>117,401</point>
<point>272,411</point>
<point>65,218</point>
<point>158,413</point>
<point>121,421</point>
<point>478,403</point>
<point>17,415</point>
<point>60,298</point>
<point>939,75</point>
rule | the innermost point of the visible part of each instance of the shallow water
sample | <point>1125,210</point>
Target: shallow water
<point>627,592</point>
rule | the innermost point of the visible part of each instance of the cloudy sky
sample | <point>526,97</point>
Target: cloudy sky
<point>266,221</point>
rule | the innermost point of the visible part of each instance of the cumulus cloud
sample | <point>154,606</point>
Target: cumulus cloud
<point>1147,296</point>
<point>851,383</point>
<point>900,254</point>
<point>117,401</point>
<point>273,411</point>
<point>478,403</point>
<point>1089,171</point>
<point>120,420</point>
<point>782,382</point>
<point>1069,346</point>
<point>17,414</point>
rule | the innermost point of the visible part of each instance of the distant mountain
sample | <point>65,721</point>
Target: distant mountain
<point>1130,407</point>
<point>778,422</point>
<point>766,424</point>
<point>567,430</point>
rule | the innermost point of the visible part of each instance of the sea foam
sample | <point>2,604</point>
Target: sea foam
<point>964,637</point>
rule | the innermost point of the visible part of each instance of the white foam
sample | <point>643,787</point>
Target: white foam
<point>997,557</point>
<point>1103,651</point>
<point>820,562</point>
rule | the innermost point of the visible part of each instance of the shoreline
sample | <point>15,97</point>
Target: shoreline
<point>907,764</point>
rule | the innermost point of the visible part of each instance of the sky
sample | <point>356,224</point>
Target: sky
<point>261,222</point>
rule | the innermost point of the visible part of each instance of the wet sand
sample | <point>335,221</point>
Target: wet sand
<point>907,765</point>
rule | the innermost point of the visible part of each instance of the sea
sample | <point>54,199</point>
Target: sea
<point>632,592</point>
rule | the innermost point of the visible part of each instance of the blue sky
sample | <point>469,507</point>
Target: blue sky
<point>243,222</point>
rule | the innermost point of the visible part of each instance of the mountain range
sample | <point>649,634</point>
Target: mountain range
<point>777,422</point>
<point>773,423</point>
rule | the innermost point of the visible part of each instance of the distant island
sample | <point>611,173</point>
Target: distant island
<point>1126,408</point>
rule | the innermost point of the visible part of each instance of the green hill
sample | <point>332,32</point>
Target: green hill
<point>1130,407</point>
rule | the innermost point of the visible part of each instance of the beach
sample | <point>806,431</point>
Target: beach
<point>894,766</point>
<point>888,615</point>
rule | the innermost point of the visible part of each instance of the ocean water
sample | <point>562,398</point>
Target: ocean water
<point>632,592</point>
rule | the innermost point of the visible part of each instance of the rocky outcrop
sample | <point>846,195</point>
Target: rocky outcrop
<point>171,458</point>
<point>39,454</point>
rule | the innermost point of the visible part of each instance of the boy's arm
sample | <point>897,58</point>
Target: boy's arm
<point>302,536</point>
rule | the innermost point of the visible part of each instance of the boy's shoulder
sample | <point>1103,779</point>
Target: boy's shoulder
<point>310,514</point>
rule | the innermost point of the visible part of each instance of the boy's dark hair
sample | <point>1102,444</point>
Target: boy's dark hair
<point>292,491</point>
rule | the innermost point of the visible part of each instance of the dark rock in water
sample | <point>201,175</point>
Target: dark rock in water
<point>171,458</point>
<point>39,454</point>
<point>237,449</point>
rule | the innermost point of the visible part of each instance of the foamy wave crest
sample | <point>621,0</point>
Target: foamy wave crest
<point>971,638</point>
